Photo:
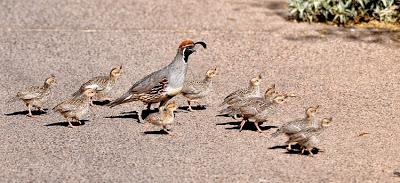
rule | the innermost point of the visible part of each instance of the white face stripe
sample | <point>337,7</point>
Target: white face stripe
<point>183,52</point>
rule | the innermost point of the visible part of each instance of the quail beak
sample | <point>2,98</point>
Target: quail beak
<point>191,48</point>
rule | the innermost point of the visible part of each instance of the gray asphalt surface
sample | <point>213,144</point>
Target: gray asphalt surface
<point>352,73</point>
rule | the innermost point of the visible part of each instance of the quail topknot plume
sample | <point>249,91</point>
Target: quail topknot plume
<point>161,85</point>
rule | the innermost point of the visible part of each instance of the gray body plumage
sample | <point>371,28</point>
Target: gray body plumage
<point>158,85</point>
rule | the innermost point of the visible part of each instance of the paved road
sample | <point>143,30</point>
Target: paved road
<point>352,73</point>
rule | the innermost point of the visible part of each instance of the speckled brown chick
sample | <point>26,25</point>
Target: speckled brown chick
<point>308,138</point>
<point>233,110</point>
<point>164,117</point>
<point>77,107</point>
<point>102,84</point>
<point>253,90</point>
<point>36,96</point>
<point>259,111</point>
<point>194,90</point>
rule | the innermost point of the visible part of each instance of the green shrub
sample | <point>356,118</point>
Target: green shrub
<point>344,11</point>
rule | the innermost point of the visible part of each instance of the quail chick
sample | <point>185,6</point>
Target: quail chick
<point>252,91</point>
<point>164,117</point>
<point>258,111</point>
<point>307,138</point>
<point>234,109</point>
<point>36,96</point>
<point>194,90</point>
<point>102,84</point>
<point>164,84</point>
<point>76,107</point>
<point>295,126</point>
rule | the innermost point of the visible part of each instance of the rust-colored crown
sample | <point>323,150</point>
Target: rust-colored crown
<point>186,42</point>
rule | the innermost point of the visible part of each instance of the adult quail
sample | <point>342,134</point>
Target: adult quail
<point>194,90</point>
<point>77,107</point>
<point>102,84</point>
<point>164,117</point>
<point>36,96</point>
<point>161,85</point>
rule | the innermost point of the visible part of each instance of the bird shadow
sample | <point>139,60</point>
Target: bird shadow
<point>65,123</point>
<point>25,112</point>
<point>227,116</point>
<point>156,132</point>
<point>196,107</point>
<point>247,126</point>
<point>125,116</point>
<point>296,149</point>
<point>101,102</point>
<point>132,115</point>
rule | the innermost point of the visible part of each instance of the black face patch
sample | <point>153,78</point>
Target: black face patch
<point>187,52</point>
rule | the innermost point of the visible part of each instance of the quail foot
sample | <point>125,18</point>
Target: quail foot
<point>77,107</point>
<point>164,84</point>
<point>36,96</point>
<point>294,126</point>
<point>194,90</point>
<point>102,84</point>
<point>164,117</point>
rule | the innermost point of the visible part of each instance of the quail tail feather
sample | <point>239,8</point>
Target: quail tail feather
<point>127,97</point>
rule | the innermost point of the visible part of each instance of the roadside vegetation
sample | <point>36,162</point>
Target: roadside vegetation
<point>347,12</point>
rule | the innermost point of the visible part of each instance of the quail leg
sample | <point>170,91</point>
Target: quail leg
<point>149,107</point>
<point>70,124</point>
<point>140,116</point>
<point>289,147</point>
<point>258,127</point>
<point>189,106</point>
<point>41,109</point>
<point>310,153</point>
<point>242,124</point>
<point>165,129</point>
<point>29,110</point>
